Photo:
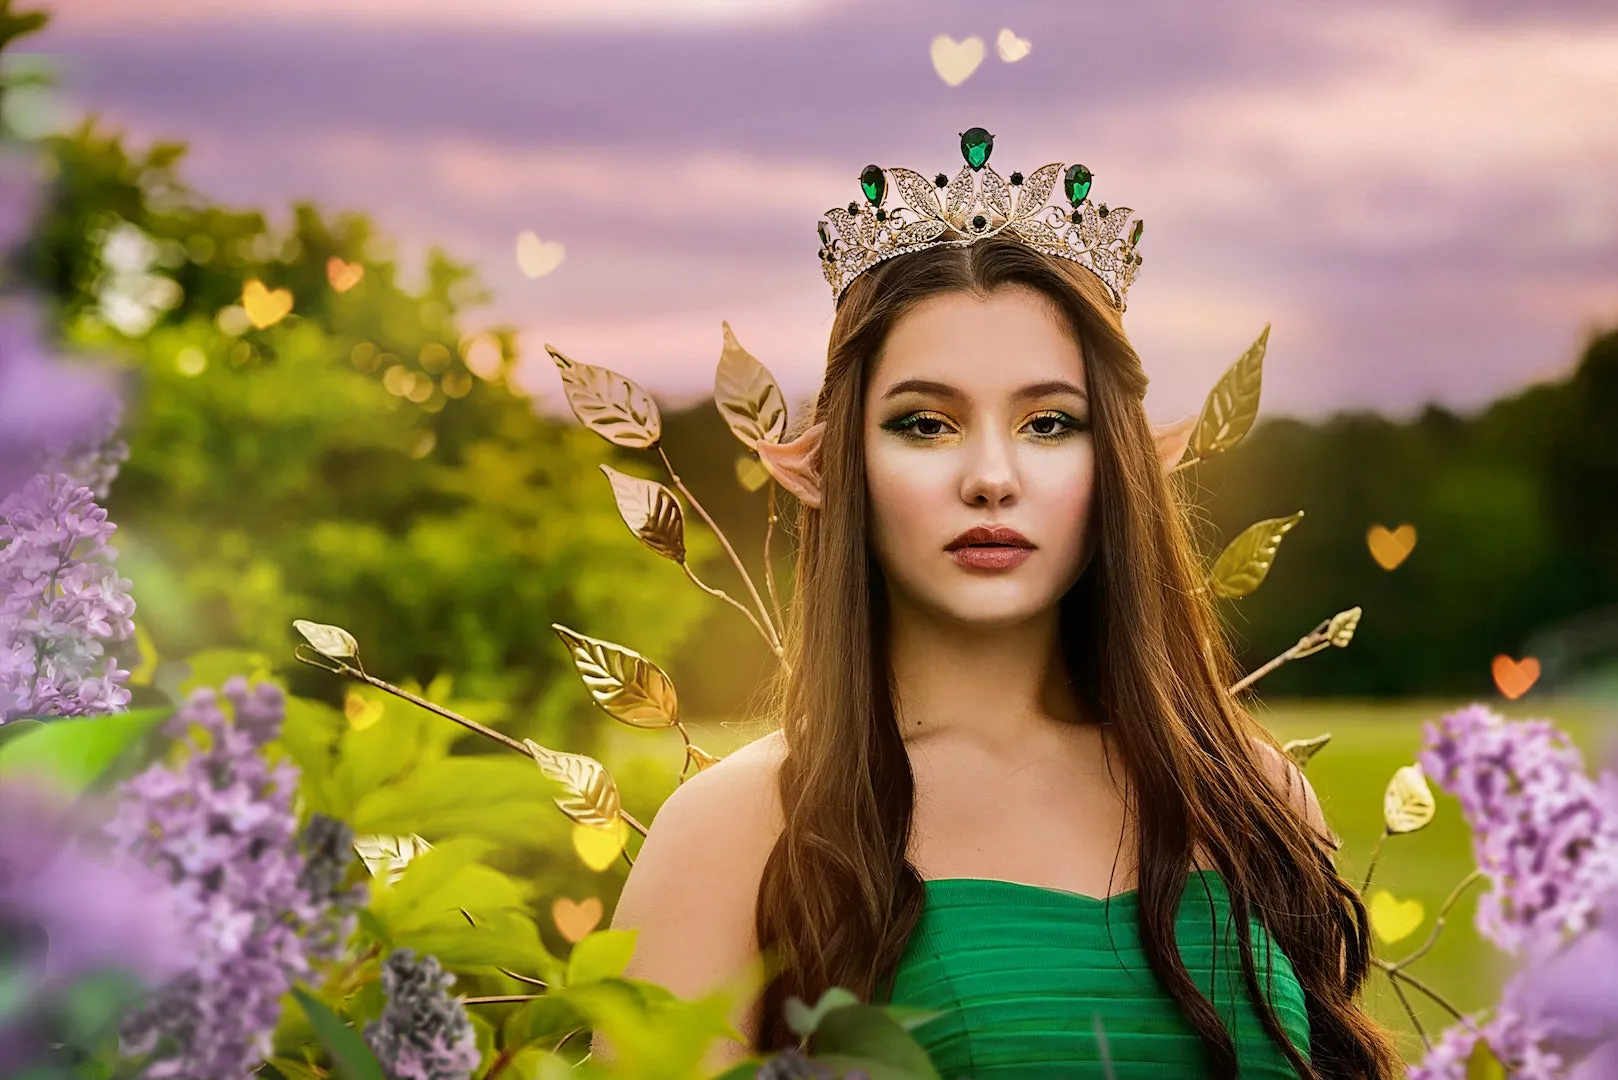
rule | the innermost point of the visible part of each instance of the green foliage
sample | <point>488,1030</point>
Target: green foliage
<point>344,461</point>
<point>76,753</point>
<point>354,1059</point>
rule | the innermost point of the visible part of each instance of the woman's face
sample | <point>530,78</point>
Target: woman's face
<point>975,415</point>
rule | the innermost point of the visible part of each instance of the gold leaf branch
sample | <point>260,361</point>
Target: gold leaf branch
<point>1338,631</point>
<point>620,411</point>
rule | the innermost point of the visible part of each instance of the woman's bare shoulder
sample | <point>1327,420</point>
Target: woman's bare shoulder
<point>692,893</point>
<point>695,881</point>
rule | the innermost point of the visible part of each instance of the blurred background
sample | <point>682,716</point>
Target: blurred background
<point>1421,199</point>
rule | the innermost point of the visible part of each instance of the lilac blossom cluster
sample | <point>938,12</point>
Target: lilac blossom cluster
<point>61,599</point>
<point>423,1033</point>
<point>65,912</point>
<point>262,903</point>
<point>1545,833</point>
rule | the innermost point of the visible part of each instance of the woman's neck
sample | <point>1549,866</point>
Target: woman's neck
<point>992,686</point>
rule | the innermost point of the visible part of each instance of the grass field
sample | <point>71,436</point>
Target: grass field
<point>1369,741</point>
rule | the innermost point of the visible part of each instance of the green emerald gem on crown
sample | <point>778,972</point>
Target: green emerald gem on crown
<point>1076,182</point>
<point>976,145</point>
<point>874,184</point>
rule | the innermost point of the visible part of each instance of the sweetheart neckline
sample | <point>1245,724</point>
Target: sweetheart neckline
<point>1127,894</point>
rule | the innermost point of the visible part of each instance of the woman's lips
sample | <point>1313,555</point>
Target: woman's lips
<point>990,557</point>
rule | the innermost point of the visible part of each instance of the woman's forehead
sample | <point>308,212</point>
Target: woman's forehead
<point>979,346</point>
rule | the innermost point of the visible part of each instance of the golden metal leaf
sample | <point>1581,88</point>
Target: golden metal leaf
<point>1246,560</point>
<point>651,511</point>
<point>1341,629</point>
<point>608,404</point>
<point>1232,405</point>
<point>388,855</point>
<point>628,686</point>
<point>1301,750</point>
<point>1408,803</point>
<point>332,641</point>
<point>592,796</point>
<point>747,395</point>
<point>695,755</point>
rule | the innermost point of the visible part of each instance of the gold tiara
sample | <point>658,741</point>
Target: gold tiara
<point>968,210</point>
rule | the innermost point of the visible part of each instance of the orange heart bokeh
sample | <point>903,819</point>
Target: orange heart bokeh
<point>575,920</point>
<point>1390,547</point>
<point>343,275</point>
<point>1514,677</point>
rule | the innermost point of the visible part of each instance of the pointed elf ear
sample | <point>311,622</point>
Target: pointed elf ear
<point>1172,440</point>
<point>795,465</point>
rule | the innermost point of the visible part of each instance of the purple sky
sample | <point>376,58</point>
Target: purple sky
<point>1421,196</point>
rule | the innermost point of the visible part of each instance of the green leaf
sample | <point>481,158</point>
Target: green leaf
<point>804,1019</point>
<point>601,955</point>
<point>292,1070</point>
<point>76,751</point>
<point>17,727</point>
<point>544,1019</point>
<point>865,1037</point>
<point>353,1058</point>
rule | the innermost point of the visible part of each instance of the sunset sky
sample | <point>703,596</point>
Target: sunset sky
<point>1421,196</point>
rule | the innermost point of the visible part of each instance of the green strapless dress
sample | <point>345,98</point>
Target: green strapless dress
<point>1025,975</point>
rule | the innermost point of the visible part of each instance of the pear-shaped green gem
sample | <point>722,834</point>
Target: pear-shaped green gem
<point>1076,182</point>
<point>1134,234</point>
<point>976,144</point>
<point>825,238</point>
<point>874,184</point>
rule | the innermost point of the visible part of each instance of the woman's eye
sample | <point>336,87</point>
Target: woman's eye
<point>1051,425</point>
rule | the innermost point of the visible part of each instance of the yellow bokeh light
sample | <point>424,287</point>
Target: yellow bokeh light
<point>482,355</point>
<point>191,361</point>
<point>434,357</point>
<point>398,380</point>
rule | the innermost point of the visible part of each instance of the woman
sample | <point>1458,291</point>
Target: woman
<point>1008,783</point>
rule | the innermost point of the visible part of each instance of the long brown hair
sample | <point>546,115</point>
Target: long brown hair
<point>1144,647</point>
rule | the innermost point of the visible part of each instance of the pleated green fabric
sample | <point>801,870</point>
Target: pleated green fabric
<point>1025,973</point>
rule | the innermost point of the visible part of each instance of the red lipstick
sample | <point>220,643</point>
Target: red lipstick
<point>990,547</point>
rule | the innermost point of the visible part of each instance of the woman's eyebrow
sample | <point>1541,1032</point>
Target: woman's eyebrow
<point>945,390</point>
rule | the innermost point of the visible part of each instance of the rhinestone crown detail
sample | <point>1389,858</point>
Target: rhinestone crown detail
<point>963,210</point>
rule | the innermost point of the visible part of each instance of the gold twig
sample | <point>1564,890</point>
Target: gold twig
<point>471,725</point>
<point>530,980</point>
<point>1417,984</point>
<point>775,646</point>
<point>1438,923</point>
<point>1312,642</point>
<point>501,999</point>
<point>747,579</point>
<point>1415,1021</point>
<point>769,566</point>
<point>1376,853</point>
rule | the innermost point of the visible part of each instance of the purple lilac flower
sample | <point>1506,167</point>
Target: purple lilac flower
<point>68,911</point>
<point>60,599</point>
<point>423,1033</point>
<point>1542,829</point>
<point>1546,834</point>
<point>262,903</point>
